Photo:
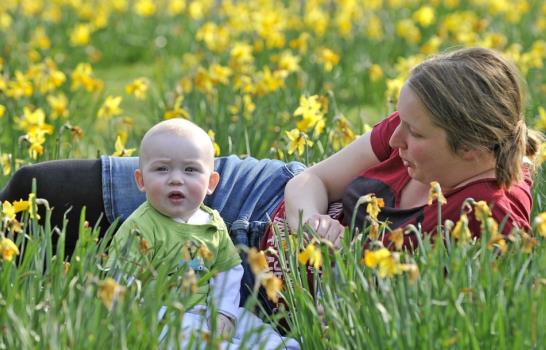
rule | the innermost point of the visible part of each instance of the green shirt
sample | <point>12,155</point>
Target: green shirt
<point>166,238</point>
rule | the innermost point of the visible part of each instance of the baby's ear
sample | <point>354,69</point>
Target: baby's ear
<point>139,180</point>
<point>213,182</point>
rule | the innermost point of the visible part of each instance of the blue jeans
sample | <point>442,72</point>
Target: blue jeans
<point>246,196</point>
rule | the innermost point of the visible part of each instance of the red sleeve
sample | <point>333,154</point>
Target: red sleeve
<point>381,134</point>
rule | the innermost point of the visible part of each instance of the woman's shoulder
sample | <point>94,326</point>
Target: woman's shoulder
<point>489,191</point>
<point>515,202</point>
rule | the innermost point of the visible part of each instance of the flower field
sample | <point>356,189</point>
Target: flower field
<point>290,80</point>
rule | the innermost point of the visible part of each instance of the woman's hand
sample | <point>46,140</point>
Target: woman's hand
<point>327,228</point>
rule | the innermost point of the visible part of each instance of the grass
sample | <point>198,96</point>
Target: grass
<point>240,69</point>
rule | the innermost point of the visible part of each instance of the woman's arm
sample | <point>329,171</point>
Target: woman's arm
<point>325,182</point>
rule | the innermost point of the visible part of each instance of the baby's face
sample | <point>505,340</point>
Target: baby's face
<point>176,173</point>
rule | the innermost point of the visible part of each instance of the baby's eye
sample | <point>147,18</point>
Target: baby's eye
<point>190,169</point>
<point>161,168</point>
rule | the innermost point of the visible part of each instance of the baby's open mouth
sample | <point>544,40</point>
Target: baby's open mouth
<point>176,195</point>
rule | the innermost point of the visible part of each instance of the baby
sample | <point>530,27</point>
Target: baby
<point>176,171</point>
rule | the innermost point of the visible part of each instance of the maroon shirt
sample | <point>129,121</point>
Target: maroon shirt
<point>387,180</point>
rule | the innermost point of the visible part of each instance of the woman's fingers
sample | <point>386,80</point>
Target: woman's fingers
<point>327,228</point>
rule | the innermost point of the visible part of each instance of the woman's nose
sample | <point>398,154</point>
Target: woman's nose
<point>397,138</point>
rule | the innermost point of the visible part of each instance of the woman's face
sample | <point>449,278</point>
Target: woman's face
<point>423,146</point>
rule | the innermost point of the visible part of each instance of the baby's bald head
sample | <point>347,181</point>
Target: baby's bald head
<point>181,128</point>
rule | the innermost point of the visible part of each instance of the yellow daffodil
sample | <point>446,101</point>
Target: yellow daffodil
<point>540,224</point>
<point>497,241</point>
<point>482,211</point>
<point>393,88</point>
<point>397,237</point>
<point>177,110</point>
<point>219,74</point>
<point>373,232</point>
<point>374,206</point>
<point>5,163</point>
<point>82,76</point>
<point>8,249</point>
<point>407,30</point>
<point>461,232</point>
<point>310,110</point>
<point>20,87</point>
<point>375,72</point>
<point>257,261</point>
<point>110,107</point>
<point>214,144</point>
<point>203,81</point>
<point>59,106</point>
<point>32,207</point>
<point>110,291</point>
<point>412,270</point>
<point>2,110</point>
<point>384,260</point>
<point>175,7</point>
<point>372,258</point>
<point>341,134</point>
<point>327,58</point>
<point>138,88</point>
<point>31,119</point>
<point>268,81</point>
<point>374,28</point>
<point>21,205</point>
<point>435,192</point>
<point>312,255</point>
<point>76,132</point>
<point>36,138</point>
<point>288,62</point>
<point>216,37</point>
<point>5,20</point>
<point>272,285</point>
<point>298,141</point>
<point>120,150</point>
<point>424,16</point>
<point>241,55</point>
<point>528,243</point>
<point>81,34</point>
<point>8,210</point>
<point>145,8</point>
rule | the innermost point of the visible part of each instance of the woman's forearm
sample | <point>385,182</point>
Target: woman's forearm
<point>304,193</point>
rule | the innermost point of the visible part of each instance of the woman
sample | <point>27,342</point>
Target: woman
<point>459,122</point>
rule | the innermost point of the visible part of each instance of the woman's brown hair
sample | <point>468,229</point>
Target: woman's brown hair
<point>477,97</point>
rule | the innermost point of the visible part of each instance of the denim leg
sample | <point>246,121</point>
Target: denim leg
<point>250,189</point>
<point>120,193</point>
